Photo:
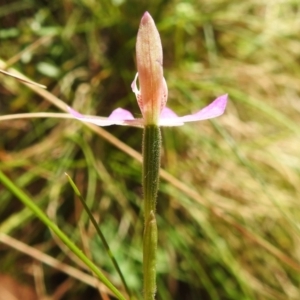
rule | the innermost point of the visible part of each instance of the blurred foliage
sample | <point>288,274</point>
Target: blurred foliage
<point>228,228</point>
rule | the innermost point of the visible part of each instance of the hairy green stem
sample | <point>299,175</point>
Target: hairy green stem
<point>149,261</point>
<point>151,165</point>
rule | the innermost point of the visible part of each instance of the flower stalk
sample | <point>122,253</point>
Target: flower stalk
<point>149,257</point>
<point>151,166</point>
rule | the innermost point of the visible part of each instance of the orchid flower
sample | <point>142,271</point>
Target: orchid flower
<point>153,93</point>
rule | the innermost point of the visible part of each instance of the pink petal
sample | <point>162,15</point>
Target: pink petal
<point>121,114</point>
<point>118,117</point>
<point>167,113</point>
<point>169,118</point>
<point>75,113</point>
<point>213,110</point>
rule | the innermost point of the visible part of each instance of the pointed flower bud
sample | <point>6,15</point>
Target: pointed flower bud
<point>149,59</point>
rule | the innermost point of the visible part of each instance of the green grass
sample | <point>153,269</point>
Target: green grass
<point>228,206</point>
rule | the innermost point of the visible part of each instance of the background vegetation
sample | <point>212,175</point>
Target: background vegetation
<point>229,198</point>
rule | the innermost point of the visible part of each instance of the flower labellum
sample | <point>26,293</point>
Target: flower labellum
<point>153,93</point>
